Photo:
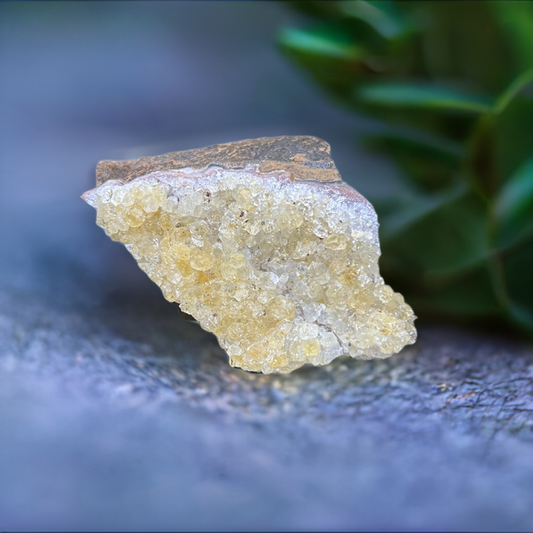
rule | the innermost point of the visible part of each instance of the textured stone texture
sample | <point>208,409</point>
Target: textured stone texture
<point>304,157</point>
<point>126,417</point>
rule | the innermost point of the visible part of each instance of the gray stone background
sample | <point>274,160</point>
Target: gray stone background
<point>115,414</point>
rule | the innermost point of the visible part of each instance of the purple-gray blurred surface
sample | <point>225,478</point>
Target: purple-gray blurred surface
<point>117,415</point>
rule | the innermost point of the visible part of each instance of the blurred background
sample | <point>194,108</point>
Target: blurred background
<point>451,84</point>
<point>115,414</point>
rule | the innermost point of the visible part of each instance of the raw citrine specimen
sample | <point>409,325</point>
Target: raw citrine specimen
<point>264,245</point>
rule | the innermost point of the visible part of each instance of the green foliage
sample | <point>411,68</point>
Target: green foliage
<point>429,97</point>
<point>452,84</point>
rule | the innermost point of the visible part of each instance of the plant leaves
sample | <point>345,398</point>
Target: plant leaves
<point>514,207</point>
<point>428,162</point>
<point>465,41</point>
<point>512,138</point>
<point>407,95</point>
<point>412,210</point>
<point>458,236</point>
<point>517,269</point>
<point>516,21</point>
<point>316,8</point>
<point>512,90</point>
<point>328,53</point>
<point>323,42</point>
<point>381,16</point>
<point>430,235</point>
<point>471,296</point>
<point>522,317</point>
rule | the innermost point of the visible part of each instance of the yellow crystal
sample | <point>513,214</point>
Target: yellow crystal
<point>311,347</point>
<point>201,260</point>
<point>283,273</point>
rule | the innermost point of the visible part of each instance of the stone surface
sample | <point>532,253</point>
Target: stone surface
<point>303,157</point>
<point>284,272</point>
<point>123,417</point>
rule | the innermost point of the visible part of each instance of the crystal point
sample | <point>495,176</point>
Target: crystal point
<point>264,245</point>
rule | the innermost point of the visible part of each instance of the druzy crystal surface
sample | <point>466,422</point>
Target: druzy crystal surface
<point>284,272</point>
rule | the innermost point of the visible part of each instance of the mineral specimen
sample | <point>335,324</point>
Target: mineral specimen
<point>264,245</point>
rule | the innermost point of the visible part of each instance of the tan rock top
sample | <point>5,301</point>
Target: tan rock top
<point>306,158</point>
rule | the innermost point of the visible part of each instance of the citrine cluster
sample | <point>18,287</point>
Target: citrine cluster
<point>283,273</point>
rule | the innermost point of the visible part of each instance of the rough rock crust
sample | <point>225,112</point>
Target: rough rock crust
<point>304,158</point>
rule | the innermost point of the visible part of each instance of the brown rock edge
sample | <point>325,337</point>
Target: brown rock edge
<point>306,158</point>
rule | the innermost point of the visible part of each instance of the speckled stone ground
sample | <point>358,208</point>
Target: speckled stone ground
<point>477,384</point>
<point>128,417</point>
<point>115,414</point>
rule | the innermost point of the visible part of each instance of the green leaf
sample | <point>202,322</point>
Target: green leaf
<point>413,210</point>
<point>381,16</point>
<point>471,296</point>
<point>514,207</point>
<point>516,21</point>
<point>424,97</point>
<point>457,236</point>
<point>516,272</point>
<point>427,161</point>
<point>512,90</point>
<point>416,141</point>
<point>321,42</point>
<point>512,138</point>
<point>430,235</point>
<point>465,41</point>
<point>522,317</point>
<point>315,8</point>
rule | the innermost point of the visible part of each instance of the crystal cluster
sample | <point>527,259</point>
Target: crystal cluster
<point>282,272</point>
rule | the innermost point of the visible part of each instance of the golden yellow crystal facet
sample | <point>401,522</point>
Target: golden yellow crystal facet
<point>282,272</point>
